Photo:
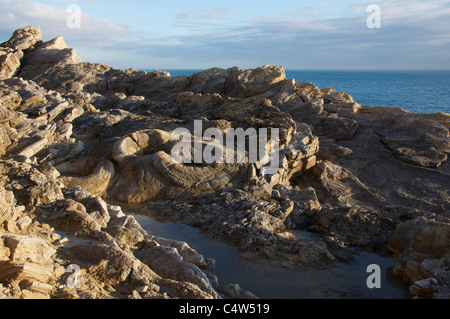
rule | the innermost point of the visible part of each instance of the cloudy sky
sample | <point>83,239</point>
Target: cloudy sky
<point>199,34</point>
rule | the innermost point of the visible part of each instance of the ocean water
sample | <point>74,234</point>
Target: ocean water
<point>414,91</point>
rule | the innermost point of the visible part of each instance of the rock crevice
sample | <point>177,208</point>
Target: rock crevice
<point>75,135</point>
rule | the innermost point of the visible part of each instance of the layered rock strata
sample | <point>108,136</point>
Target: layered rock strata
<point>75,135</point>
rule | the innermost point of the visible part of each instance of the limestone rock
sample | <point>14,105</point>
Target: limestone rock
<point>30,187</point>
<point>420,141</point>
<point>70,131</point>
<point>256,81</point>
<point>148,171</point>
<point>23,270</point>
<point>9,62</point>
<point>234,291</point>
<point>5,141</point>
<point>23,39</point>
<point>425,236</point>
<point>94,176</point>
<point>7,204</point>
<point>69,216</point>
<point>422,249</point>
<point>188,254</point>
<point>46,56</point>
<point>97,207</point>
<point>118,261</point>
<point>28,248</point>
<point>11,52</point>
<point>168,263</point>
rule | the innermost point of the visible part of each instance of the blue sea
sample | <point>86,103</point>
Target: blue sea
<point>414,91</point>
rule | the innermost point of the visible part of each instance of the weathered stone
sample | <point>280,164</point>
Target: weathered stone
<point>112,265</point>
<point>9,62</point>
<point>95,204</point>
<point>256,81</point>
<point>28,248</point>
<point>24,222</point>
<point>7,203</point>
<point>134,295</point>
<point>96,175</point>
<point>11,52</point>
<point>31,188</point>
<point>5,140</point>
<point>9,99</point>
<point>31,147</point>
<point>167,263</point>
<point>234,291</point>
<point>126,236</point>
<point>69,216</point>
<point>425,236</point>
<point>189,255</point>
<point>23,270</point>
<point>55,111</point>
<point>72,114</point>
<point>36,287</point>
<point>54,53</point>
<point>424,288</point>
<point>442,291</point>
<point>23,39</point>
<point>371,177</point>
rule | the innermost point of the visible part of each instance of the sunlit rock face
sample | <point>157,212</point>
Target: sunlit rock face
<point>75,135</point>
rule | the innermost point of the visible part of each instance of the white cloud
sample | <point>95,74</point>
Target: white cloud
<point>414,34</point>
<point>53,22</point>
<point>206,14</point>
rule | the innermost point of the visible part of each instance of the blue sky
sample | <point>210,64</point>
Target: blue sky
<point>201,34</point>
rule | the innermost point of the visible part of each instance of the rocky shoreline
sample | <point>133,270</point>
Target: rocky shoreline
<point>75,136</point>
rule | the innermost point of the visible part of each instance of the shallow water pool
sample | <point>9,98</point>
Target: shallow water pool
<point>343,281</point>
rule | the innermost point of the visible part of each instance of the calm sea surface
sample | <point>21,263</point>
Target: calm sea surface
<point>415,91</point>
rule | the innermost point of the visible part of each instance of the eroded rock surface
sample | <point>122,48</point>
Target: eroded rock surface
<point>75,135</point>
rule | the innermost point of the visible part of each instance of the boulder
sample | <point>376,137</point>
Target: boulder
<point>92,175</point>
<point>255,81</point>
<point>234,291</point>
<point>25,38</point>
<point>9,62</point>
<point>112,265</point>
<point>69,216</point>
<point>28,248</point>
<point>188,254</point>
<point>24,270</point>
<point>422,247</point>
<point>148,171</point>
<point>168,263</point>
<point>46,56</point>
<point>7,204</point>
<point>31,188</point>
<point>11,51</point>
<point>426,236</point>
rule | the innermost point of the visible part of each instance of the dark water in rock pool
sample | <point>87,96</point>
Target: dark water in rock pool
<point>343,281</point>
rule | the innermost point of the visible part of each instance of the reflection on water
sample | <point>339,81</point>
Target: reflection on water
<point>342,281</point>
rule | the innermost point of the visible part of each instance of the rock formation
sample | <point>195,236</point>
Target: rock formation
<point>76,135</point>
